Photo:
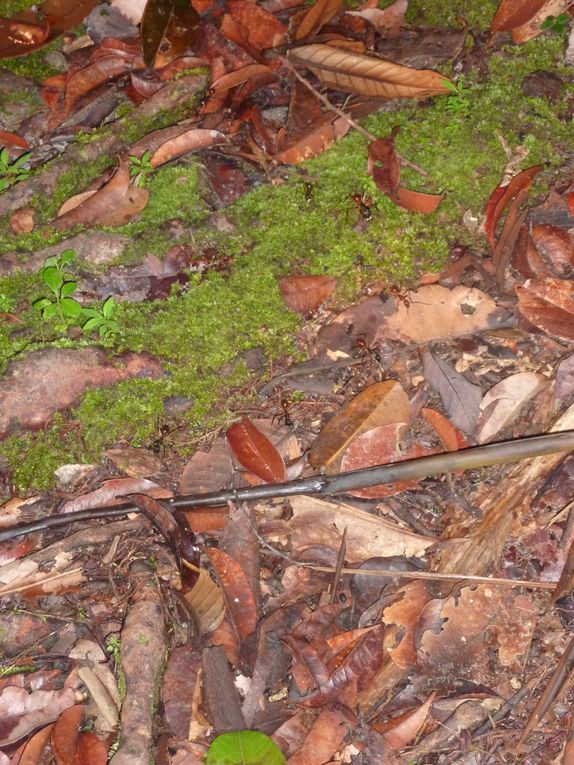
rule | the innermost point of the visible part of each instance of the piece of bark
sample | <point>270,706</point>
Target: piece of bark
<point>143,652</point>
<point>501,508</point>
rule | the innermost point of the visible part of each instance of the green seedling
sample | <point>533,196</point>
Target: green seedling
<point>101,321</point>
<point>12,172</point>
<point>555,24</point>
<point>141,168</point>
<point>457,103</point>
<point>62,285</point>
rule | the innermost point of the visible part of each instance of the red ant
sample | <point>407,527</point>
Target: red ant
<point>364,203</point>
<point>286,406</point>
<point>368,350</point>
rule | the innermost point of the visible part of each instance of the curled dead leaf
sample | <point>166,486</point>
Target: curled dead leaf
<point>306,293</point>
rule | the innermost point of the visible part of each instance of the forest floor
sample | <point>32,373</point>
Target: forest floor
<point>246,249</point>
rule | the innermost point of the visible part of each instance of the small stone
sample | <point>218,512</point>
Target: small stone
<point>70,475</point>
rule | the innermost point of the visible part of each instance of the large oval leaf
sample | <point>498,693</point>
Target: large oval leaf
<point>383,403</point>
<point>366,75</point>
<point>167,28</point>
<point>244,747</point>
<point>256,452</point>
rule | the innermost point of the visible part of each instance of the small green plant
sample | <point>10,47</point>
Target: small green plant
<point>555,24</point>
<point>141,168</point>
<point>101,320</point>
<point>62,285</point>
<point>12,172</point>
<point>457,104</point>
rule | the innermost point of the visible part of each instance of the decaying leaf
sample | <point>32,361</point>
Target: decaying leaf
<point>523,18</point>
<point>319,14</point>
<point>306,293</point>
<point>99,205</point>
<point>168,27</point>
<point>451,437</point>
<point>387,21</point>
<point>549,305</point>
<point>237,593</point>
<point>256,452</point>
<point>460,397</point>
<point>502,403</point>
<point>320,136</point>
<point>192,140</point>
<point>206,601</point>
<point>367,75</point>
<point>556,248</point>
<point>435,312</point>
<point>382,403</point>
<point>502,196</point>
<point>380,446</point>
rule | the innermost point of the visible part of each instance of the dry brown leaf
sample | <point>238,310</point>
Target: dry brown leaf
<point>366,75</point>
<point>556,248</point>
<point>315,141</point>
<point>319,14</point>
<point>382,403</point>
<point>435,312</point>
<point>315,521</point>
<point>192,140</point>
<point>387,21</point>
<point>549,305</point>
<point>133,202</point>
<point>100,204</point>
<point>306,293</point>
<point>206,601</point>
<point>502,404</point>
<point>524,18</point>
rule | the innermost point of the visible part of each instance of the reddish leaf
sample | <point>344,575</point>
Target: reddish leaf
<point>320,136</point>
<point>22,712</point>
<point>398,736</point>
<point>549,305</point>
<point>306,293</point>
<point>388,21</point>
<point>378,447</point>
<point>514,13</point>
<point>501,198</point>
<point>90,77</point>
<point>65,735</point>
<point>239,76</point>
<point>237,592</point>
<point>99,204</point>
<point>192,140</point>
<point>91,750</point>
<point>418,201</point>
<point>325,737</point>
<point>319,14</point>
<point>256,452</point>
<point>13,139</point>
<point>21,34</point>
<point>33,749</point>
<point>259,27</point>
<point>451,437</point>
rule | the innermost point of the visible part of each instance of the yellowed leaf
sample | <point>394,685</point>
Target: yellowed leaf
<point>379,404</point>
<point>367,75</point>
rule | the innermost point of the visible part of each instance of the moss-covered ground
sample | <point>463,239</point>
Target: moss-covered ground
<point>283,229</point>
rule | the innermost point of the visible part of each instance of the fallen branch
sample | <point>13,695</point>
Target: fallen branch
<point>331,485</point>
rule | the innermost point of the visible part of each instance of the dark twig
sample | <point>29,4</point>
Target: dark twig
<point>330,485</point>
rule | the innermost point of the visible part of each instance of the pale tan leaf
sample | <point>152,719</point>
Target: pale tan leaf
<point>315,521</point>
<point>503,402</point>
<point>382,403</point>
<point>366,75</point>
<point>434,312</point>
<point>206,601</point>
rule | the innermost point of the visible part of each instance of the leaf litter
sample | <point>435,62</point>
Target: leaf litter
<point>398,622</point>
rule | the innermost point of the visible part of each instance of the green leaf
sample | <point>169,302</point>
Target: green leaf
<point>42,303</point>
<point>67,257</point>
<point>52,278</point>
<point>93,313</point>
<point>244,747</point>
<point>68,288</point>
<point>92,323</point>
<point>49,262</point>
<point>70,308</point>
<point>4,158</point>
<point>108,307</point>
<point>49,311</point>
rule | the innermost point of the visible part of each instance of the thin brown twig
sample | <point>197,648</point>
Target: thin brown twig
<point>355,125</point>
